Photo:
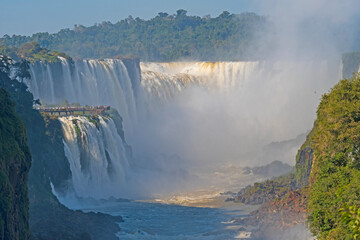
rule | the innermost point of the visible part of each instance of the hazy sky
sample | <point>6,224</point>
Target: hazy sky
<point>27,17</point>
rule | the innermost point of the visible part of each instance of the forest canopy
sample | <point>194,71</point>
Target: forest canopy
<point>32,52</point>
<point>163,38</point>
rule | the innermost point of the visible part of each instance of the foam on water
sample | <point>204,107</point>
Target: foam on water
<point>97,157</point>
<point>147,221</point>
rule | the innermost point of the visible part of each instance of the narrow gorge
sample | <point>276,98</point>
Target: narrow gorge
<point>238,124</point>
<point>157,127</point>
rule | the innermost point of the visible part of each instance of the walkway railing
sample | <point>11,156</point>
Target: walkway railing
<point>88,110</point>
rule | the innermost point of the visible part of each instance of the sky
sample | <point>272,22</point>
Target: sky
<point>24,17</point>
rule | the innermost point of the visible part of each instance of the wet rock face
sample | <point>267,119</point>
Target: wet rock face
<point>266,191</point>
<point>49,220</point>
<point>273,169</point>
<point>58,223</point>
<point>275,217</point>
<point>282,213</point>
<point>303,166</point>
<point>15,160</point>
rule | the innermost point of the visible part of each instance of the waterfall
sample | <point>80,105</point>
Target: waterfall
<point>88,82</point>
<point>97,156</point>
<point>226,111</point>
<point>111,82</point>
<point>163,80</point>
<point>189,113</point>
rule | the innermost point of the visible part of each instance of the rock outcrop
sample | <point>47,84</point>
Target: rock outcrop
<point>279,215</point>
<point>15,161</point>
<point>31,203</point>
<point>266,191</point>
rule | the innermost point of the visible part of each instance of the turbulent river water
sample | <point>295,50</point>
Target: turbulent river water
<point>159,221</point>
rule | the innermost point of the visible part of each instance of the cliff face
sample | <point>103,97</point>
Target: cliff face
<point>304,160</point>
<point>48,218</point>
<point>277,216</point>
<point>335,172</point>
<point>327,172</point>
<point>284,199</point>
<point>15,160</point>
<point>58,167</point>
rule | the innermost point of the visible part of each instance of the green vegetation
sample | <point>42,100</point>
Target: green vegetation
<point>77,128</point>
<point>162,38</point>
<point>94,120</point>
<point>15,160</point>
<point>329,164</point>
<point>304,160</point>
<point>32,52</point>
<point>351,217</point>
<point>40,145</point>
<point>48,218</point>
<point>335,174</point>
<point>275,188</point>
<point>9,51</point>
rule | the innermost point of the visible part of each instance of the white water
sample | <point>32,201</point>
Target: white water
<point>164,80</point>
<point>187,118</point>
<point>88,82</point>
<point>97,157</point>
<point>185,121</point>
<point>225,112</point>
<point>145,221</point>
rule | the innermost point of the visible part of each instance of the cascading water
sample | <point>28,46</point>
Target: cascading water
<point>163,80</point>
<point>88,82</point>
<point>227,110</point>
<point>197,112</point>
<point>193,115</point>
<point>97,156</point>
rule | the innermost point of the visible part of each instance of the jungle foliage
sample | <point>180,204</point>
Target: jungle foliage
<point>32,52</point>
<point>162,38</point>
<point>15,161</point>
<point>335,174</point>
<point>48,218</point>
<point>328,165</point>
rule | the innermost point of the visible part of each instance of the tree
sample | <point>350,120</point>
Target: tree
<point>181,13</point>
<point>351,217</point>
<point>163,14</point>
<point>162,38</point>
<point>224,14</point>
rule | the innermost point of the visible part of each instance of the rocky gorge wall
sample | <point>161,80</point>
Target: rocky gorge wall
<point>15,161</point>
<point>41,175</point>
<point>37,213</point>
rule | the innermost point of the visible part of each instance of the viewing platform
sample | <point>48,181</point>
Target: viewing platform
<point>68,111</point>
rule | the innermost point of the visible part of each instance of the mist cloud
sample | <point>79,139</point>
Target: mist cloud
<point>313,29</point>
<point>209,127</point>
